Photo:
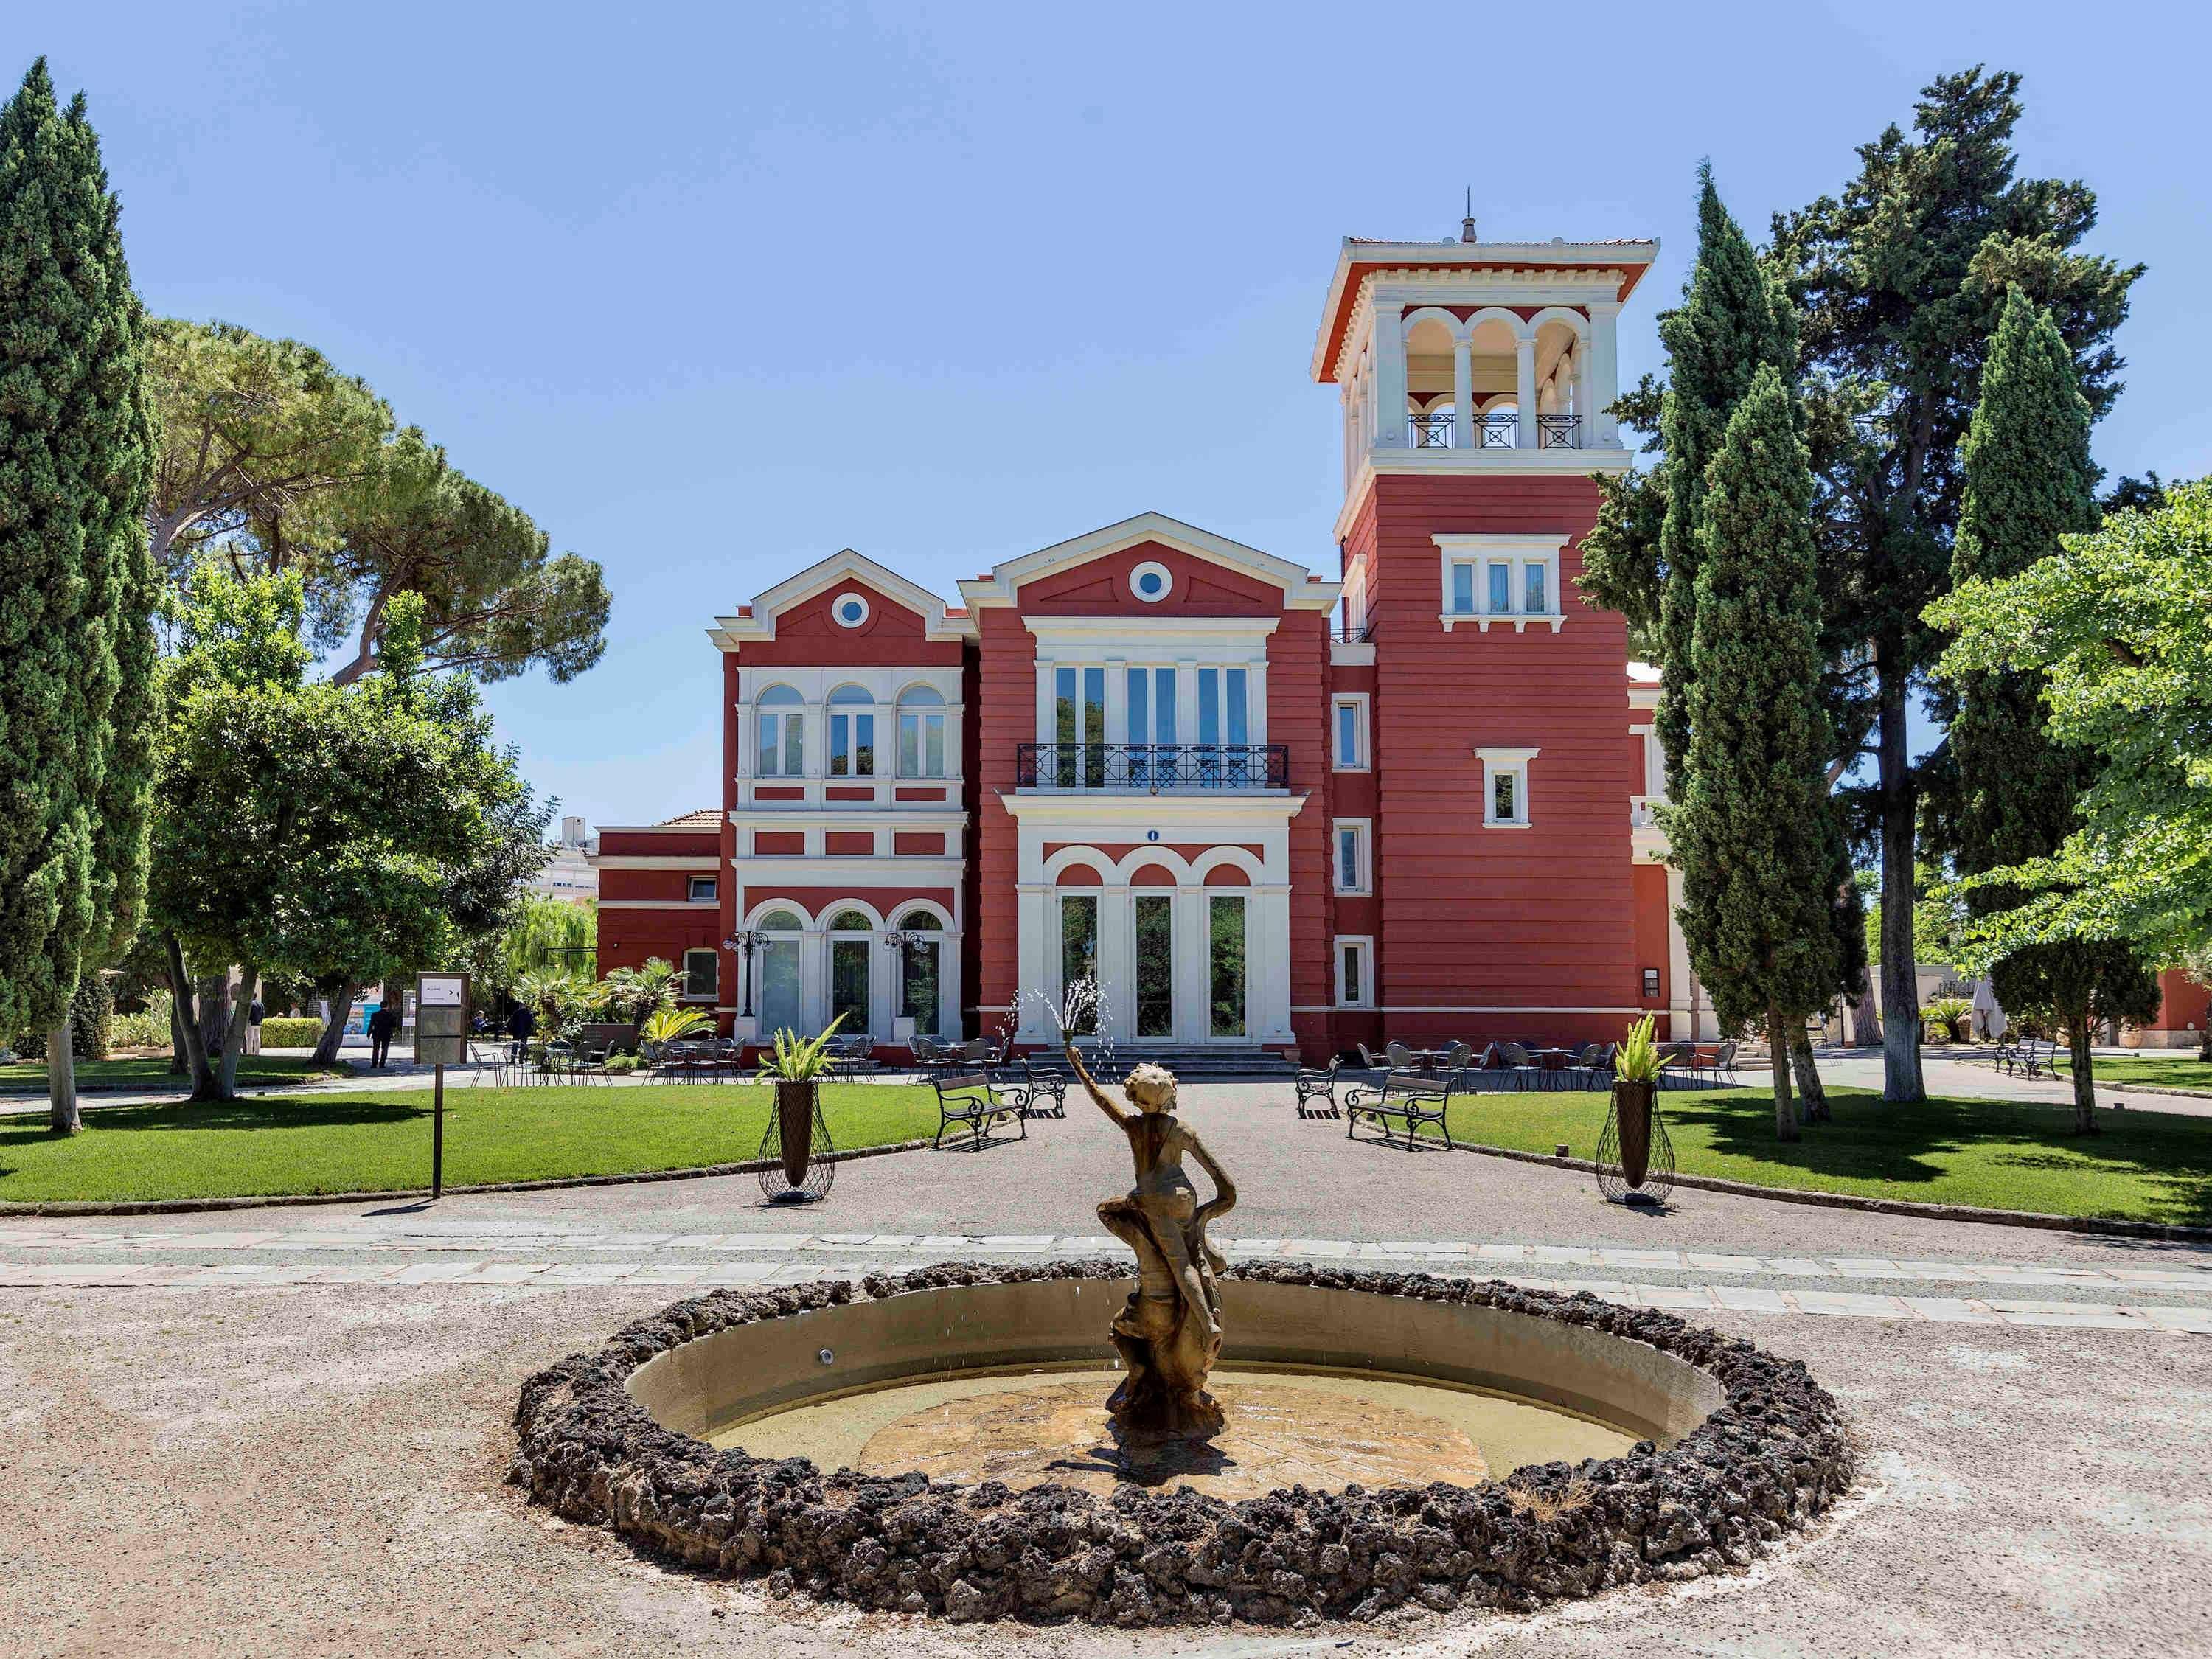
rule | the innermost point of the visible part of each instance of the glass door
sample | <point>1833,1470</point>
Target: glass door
<point>777,963</point>
<point>1224,727</point>
<point>1155,986</point>
<point>1078,955</point>
<point>1226,962</point>
<point>1080,727</point>
<point>1151,720</point>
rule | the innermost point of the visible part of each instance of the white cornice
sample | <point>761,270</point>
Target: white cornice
<point>729,633</point>
<point>1475,463</point>
<point>1458,264</point>
<point>999,588</point>
<point>706,860</point>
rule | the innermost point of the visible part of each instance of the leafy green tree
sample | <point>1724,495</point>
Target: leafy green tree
<point>76,644</point>
<point>1901,279</point>
<point>1751,829</point>
<point>2114,625</point>
<point>1729,323</point>
<point>334,831</point>
<point>2029,480</point>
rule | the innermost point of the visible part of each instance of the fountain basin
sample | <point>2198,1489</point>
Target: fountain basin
<point>1721,1448</point>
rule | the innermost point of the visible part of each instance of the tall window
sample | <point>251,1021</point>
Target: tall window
<point>1078,952</point>
<point>1351,733</point>
<point>1226,962</point>
<point>1462,587</point>
<point>1080,726</point>
<point>922,974</point>
<point>1155,941</point>
<point>776,963</point>
<point>1355,977</point>
<point>1352,855</point>
<point>921,732</point>
<point>1223,710</point>
<point>848,969</point>
<point>782,717</point>
<point>700,974</point>
<point>851,734</point>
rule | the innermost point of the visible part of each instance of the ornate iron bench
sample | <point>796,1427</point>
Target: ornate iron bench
<point>1412,1097</point>
<point>2029,1056</point>
<point>965,1101</point>
<point>1318,1083</point>
<point>1043,1094</point>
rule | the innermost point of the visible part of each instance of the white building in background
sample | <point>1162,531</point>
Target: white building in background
<point>570,873</point>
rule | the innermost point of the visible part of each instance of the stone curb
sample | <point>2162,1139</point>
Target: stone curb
<point>2108,1226</point>
<point>272,1200</point>
<point>1772,1456</point>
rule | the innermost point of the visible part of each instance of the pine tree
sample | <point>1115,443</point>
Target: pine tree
<point>76,648</point>
<point>2029,480</point>
<point>1752,828</point>
<point>1729,324</point>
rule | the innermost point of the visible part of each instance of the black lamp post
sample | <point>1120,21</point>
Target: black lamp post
<point>743,941</point>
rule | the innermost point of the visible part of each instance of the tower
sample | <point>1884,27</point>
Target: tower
<point>1484,751</point>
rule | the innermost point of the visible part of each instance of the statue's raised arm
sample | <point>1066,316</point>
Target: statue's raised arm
<point>1083,1076</point>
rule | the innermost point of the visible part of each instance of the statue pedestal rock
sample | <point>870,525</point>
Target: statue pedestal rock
<point>1169,1333</point>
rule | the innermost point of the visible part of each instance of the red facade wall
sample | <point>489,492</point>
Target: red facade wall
<point>1539,920</point>
<point>628,937</point>
<point>1649,881</point>
<point>1004,715</point>
<point>808,636</point>
<point>1100,588</point>
<point>2183,1002</point>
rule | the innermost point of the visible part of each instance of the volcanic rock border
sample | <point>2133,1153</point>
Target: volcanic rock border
<point>1775,1455</point>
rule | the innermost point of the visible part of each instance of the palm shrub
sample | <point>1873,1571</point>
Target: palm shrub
<point>1639,1060</point>
<point>794,1060</point>
<point>1948,1015</point>
<point>666,1025</point>
<point>631,994</point>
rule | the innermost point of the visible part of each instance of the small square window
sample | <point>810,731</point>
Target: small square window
<point>1355,972</point>
<point>1505,797</point>
<point>704,890</point>
<point>1535,588</point>
<point>1501,587</point>
<point>1462,598</point>
<point>1350,734</point>
<point>1505,786</point>
<point>1650,982</point>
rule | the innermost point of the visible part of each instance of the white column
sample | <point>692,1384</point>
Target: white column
<point>1117,962</point>
<point>1268,964</point>
<point>1465,433</point>
<point>1255,704</point>
<point>1585,394</point>
<point>1192,972</point>
<point>1524,396</point>
<point>1044,727</point>
<point>1117,700</point>
<point>1678,1028</point>
<point>813,981</point>
<point>883,966</point>
<point>1186,701</point>
<point>1389,377</point>
<point>1600,429</point>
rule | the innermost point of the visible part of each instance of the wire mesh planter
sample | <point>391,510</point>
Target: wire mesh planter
<point>796,1145</point>
<point>1635,1156</point>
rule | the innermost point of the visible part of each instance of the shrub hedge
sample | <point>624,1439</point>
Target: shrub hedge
<point>289,1031</point>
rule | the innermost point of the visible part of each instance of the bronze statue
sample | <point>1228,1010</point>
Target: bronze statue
<point>1169,1333</point>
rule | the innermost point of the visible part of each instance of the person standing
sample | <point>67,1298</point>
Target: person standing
<point>381,1026</point>
<point>522,1025</point>
<point>253,1013</point>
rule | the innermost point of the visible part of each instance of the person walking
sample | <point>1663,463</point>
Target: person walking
<point>253,1013</point>
<point>382,1024</point>
<point>522,1025</point>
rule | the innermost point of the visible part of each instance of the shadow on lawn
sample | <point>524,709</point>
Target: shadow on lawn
<point>305,1112</point>
<point>1872,1140</point>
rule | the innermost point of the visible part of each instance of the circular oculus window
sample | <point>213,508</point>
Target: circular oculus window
<point>851,609</point>
<point>1151,581</point>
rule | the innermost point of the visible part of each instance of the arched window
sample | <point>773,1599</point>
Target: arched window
<point>851,922</point>
<point>921,921</point>
<point>922,974</point>
<point>851,734</point>
<point>783,714</point>
<point>777,964</point>
<point>921,732</point>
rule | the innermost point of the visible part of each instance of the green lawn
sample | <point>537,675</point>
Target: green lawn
<point>2180,1069</point>
<point>370,1141</point>
<point>2146,1166</point>
<point>29,1075</point>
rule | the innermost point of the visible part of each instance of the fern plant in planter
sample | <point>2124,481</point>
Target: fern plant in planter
<point>798,1136</point>
<point>1635,1158</point>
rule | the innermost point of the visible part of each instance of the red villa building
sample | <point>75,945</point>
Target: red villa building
<point>1265,808</point>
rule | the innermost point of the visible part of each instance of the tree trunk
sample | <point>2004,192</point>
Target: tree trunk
<point>215,1011</point>
<point>1809,1087</point>
<point>2085,1075</point>
<point>233,1038</point>
<point>2204,1041</point>
<point>61,1079</point>
<point>326,1045</point>
<point>187,1016</point>
<point>1865,1014</point>
<point>1900,989</point>
<point>180,1063</point>
<point>1777,1044</point>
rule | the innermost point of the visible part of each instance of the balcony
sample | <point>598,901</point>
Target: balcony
<point>1152,767</point>
<point>1558,432</point>
<point>1501,431</point>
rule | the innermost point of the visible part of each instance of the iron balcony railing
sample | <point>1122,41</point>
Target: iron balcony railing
<point>1431,431</point>
<point>1500,432</point>
<point>1152,767</point>
<point>1558,432</point>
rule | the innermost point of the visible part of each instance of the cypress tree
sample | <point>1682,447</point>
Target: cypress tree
<point>76,647</point>
<point>1729,323</point>
<point>2029,480</point>
<point>1752,828</point>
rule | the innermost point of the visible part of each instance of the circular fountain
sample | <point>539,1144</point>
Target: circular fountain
<point>937,1442</point>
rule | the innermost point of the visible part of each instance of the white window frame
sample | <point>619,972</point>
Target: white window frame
<point>1364,761</point>
<point>1364,945</point>
<point>691,890</point>
<point>850,596</point>
<point>714,973</point>
<point>1514,763</point>
<point>769,743</point>
<point>1518,553</point>
<point>922,713</point>
<point>1364,872</point>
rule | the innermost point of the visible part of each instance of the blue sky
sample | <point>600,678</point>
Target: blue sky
<point>713,291</point>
